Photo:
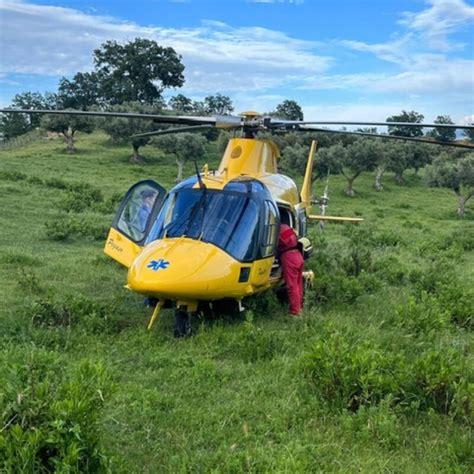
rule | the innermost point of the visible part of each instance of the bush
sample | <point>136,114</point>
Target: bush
<point>29,282</point>
<point>35,180</point>
<point>390,269</point>
<point>374,423</point>
<point>436,378</point>
<point>59,229</point>
<point>439,272</point>
<point>87,225</point>
<point>423,316</point>
<point>90,314</point>
<point>336,288</point>
<point>13,175</point>
<point>81,196</point>
<point>457,301</point>
<point>349,373</point>
<point>56,183</point>
<point>51,414</point>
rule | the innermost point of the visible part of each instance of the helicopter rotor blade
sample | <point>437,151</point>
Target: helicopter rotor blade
<point>305,128</point>
<point>283,123</point>
<point>192,128</point>
<point>218,121</point>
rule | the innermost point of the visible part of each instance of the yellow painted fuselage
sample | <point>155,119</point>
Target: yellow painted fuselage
<point>188,270</point>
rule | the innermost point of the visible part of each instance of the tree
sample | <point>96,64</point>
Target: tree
<point>421,155</point>
<point>184,146</point>
<point>441,133</point>
<point>469,134</point>
<point>182,104</point>
<point>138,71</point>
<point>404,131</point>
<point>120,129</point>
<point>288,110</point>
<point>80,93</point>
<point>455,174</point>
<point>294,158</point>
<point>67,126</point>
<point>353,160</point>
<point>13,125</point>
<point>218,105</point>
<point>398,156</point>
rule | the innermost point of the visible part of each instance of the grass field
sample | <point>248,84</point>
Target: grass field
<point>377,376</point>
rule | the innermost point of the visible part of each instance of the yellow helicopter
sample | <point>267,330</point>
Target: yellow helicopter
<point>213,237</point>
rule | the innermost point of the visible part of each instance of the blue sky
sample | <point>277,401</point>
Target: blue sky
<point>339,59</point>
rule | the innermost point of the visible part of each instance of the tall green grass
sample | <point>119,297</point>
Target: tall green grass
<point>377,376</point>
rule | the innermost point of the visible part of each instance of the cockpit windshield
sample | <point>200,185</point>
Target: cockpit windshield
<point>226,219</point>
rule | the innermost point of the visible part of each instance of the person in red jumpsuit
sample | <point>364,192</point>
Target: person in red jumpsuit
<point>292,264</point>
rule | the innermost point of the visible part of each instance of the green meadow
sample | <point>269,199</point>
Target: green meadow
<point>376,376</point>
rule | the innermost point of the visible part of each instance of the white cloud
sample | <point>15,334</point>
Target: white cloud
<point>58,41</point>
<point>440,20</point>
<point>429,74</point>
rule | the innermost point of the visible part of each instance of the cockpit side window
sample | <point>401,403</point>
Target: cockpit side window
<point>271,228</point>
<point>135,215</point>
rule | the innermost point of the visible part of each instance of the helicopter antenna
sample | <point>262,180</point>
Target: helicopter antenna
<point>201,184</point>
<point>324,201</point>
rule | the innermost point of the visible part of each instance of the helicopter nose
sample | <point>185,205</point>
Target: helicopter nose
<point>186,269</point>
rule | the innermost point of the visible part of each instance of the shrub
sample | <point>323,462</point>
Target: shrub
<point>81,196</point>
<point>87,225</point>
<point>439,272</point>
<point>457,301</point>
<point>336,288</point>
<point>13,175</point>
<point>374,423</point>
<point>90,314</point>
<point>422,316</point>
<point>56,183</point>
<point>13,258</point>
<point>29,282</point>
<point>436,378</point>
<point>390,269</point>
<point>358,259</point>
<point>50,414</point>
<point>349,373</point>
<point>35,180</point>
<point>59,229</point>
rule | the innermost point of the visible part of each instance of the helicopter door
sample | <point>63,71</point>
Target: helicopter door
<point>133,221</point>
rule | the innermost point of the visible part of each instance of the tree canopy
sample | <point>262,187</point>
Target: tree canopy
<point>120,129</point>
<point>289,110</point>
<point>454,173</point>
<point>218,104</point>
<point>443,134</point>
<point>138,71</point>
<point>184,146</point>
<point>82,92</point>
<point>67,126</point>
<point>403,131</point>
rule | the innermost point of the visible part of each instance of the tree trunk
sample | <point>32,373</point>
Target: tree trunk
<point>462,204</point>
<point>136,158</point>
<point>349,190</point>
<point>379,172</point>
<point>180,164</point>
<point>399,177</point>
<point>69,137</point>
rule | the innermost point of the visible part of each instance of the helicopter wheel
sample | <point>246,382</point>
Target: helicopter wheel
<point>182,323</point>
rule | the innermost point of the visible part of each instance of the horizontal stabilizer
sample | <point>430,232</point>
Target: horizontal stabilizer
<point>318,217</point>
